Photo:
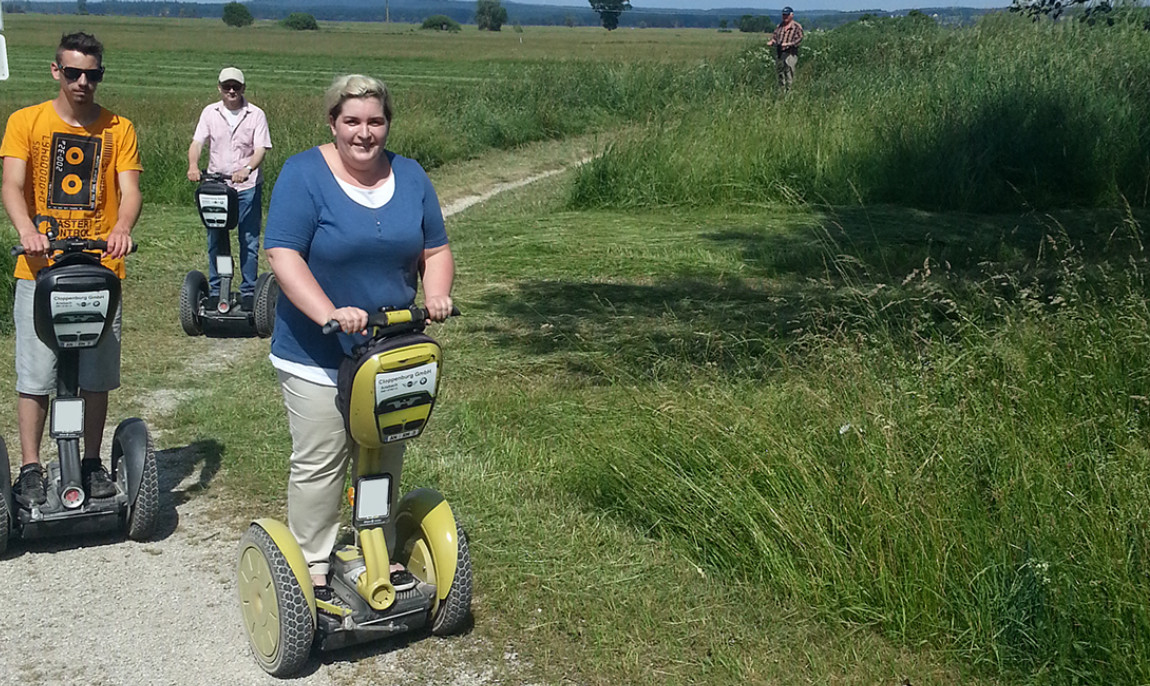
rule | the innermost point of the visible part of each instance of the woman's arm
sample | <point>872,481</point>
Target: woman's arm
<point>437,266</point>
<point>299,285</point>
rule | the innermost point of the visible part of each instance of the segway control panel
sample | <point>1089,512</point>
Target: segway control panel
<point>218,203</point>
<point>75,301</point>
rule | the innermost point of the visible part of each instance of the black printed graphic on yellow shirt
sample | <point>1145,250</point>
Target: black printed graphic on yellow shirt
<point>74,176</point>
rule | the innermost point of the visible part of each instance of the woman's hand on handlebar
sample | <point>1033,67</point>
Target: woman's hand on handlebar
<point>438,307</point>
<point>194,175</point>
<point>351,319</point>
<point>119,244</point>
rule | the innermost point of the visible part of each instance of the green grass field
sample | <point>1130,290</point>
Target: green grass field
<point>756,396</point>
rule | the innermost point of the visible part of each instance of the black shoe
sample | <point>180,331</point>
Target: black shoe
<point>247,302</point>
<point>29,488</point>
<point>96,480</point>
<point>403,580</point>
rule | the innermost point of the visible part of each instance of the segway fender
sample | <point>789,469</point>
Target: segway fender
<point>130,446</point>
<point>428,510</point>
<point>287,544</point>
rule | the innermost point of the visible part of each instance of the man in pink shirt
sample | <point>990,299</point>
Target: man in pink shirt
<point>236,132</point>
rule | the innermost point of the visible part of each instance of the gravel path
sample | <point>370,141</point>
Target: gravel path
<point>105,610</point>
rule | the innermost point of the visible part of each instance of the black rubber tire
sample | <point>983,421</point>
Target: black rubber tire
<point>281,637</point>
<point>264,307</point>
<point>5,525</point>
<point>140,521</point>
<point>454,612</point>
<point>7,504</point>
<point>193,292</point>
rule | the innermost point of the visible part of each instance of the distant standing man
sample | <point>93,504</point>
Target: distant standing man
<point>79,164</point>
<point>786,40</point>
<point>236,132</point>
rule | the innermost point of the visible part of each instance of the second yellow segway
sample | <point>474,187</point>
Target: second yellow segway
<point>386,395</point>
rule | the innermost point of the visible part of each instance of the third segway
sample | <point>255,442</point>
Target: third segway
<point>224,315</point>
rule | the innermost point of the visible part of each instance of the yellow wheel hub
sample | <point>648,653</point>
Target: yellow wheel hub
<point>258,602</point>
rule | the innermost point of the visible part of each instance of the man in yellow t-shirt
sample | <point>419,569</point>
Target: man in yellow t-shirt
<point>73,161</point>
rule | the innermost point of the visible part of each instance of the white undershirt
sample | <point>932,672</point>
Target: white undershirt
<point>233,117</point>
<point>374,198</point>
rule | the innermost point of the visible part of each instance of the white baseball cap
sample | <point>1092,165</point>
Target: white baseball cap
<point>231,74</point>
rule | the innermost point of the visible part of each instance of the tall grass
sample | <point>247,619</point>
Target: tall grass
<point>955,454</point>
<point>1005,115</point>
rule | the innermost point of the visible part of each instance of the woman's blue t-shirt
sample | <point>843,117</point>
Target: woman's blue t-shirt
<point>361,257</point>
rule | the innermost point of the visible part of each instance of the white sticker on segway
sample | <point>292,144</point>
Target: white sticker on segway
<point>373,498</point>
<point>405,388</point>
<point>67,416</point>
<point>214,210</point>
<point>224,265</point>
<point>78,318</point>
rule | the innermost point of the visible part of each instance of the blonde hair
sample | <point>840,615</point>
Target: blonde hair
<point>356,86</point>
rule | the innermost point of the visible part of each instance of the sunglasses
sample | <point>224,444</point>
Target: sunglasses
<point>232,86</point>
<point>74,73</point>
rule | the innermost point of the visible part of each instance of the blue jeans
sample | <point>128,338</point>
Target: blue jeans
<point>249,234</point>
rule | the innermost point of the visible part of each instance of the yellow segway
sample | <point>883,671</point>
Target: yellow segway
<point>387,391</point>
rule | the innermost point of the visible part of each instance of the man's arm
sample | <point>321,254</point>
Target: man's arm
<point>240,175</point>
<point>194,151</point>
<point>131,200</point>
<point>16,205</point>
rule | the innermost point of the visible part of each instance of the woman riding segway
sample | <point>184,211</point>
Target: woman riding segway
<point>351,229</point>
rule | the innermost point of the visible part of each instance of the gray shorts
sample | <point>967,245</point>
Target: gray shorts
<point>36,362</point>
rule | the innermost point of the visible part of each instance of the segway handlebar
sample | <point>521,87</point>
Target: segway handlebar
<point>391,318</point>
<point>67,245</point>
<point>209,176</point>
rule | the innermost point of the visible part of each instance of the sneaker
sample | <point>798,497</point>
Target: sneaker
<point>29,488</point>
<point>97,482</point>
<point>247,302</point>
<point>403,580</point>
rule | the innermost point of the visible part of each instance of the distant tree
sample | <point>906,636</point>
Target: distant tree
<point>722,24</point>
<point>490,15</point>
<point>919,17</point>
<point>609,11</point>
<point>236,14</point>
<point>569,21</point>
<point>300,21</point>
<point>1054,8</point>
<point>81,6</point>
<point>755,24</point>
<point>441,22</point>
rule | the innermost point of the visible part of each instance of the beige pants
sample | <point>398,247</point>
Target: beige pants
<point>321,451</point>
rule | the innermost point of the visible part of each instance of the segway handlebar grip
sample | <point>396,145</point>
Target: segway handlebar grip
<point>418,314</point>
<point>71,245</point>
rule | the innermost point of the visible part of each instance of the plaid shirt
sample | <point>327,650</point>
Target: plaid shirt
<point>789,35</point>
